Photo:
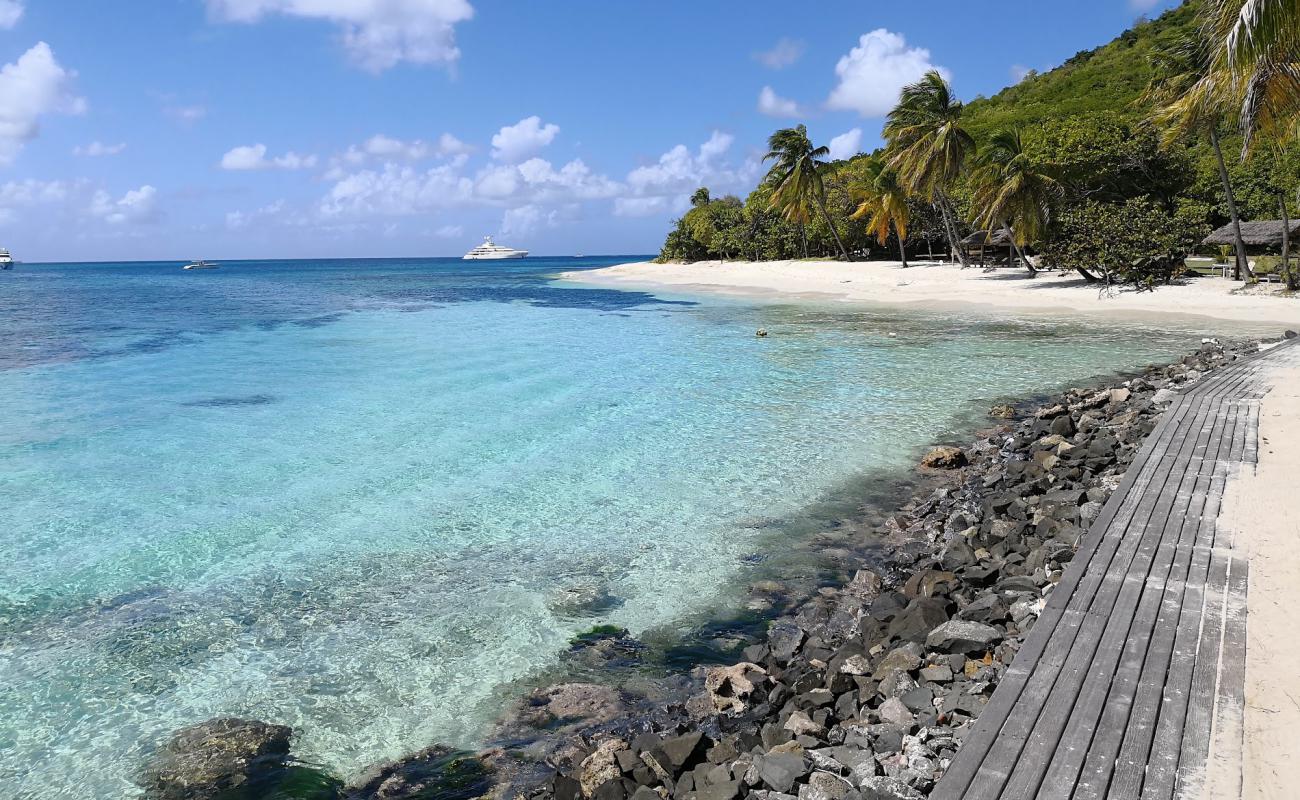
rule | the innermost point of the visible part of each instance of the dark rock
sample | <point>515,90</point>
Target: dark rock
<point>962,636</point>
<point>882,788</point>
<point>784,639</point>
<point>945,457</point>
<point>779,772</point>
<point>209,759</point>
<point>921,616</point>
<point>435,772</point>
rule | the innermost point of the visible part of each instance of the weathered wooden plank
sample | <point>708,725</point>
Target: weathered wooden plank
<point>1167,484</point>
<point>972,754</point>
<point>1121,658</point>
<point>1076,699</point>
<point>1135,750</point>
<point>1071,647</point>
<point>1100,763</point>
<point>1163,759</point>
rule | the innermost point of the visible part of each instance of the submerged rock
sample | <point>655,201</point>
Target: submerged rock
<point>214,758</point>
<point>945,457</point>
<point>438,773</point>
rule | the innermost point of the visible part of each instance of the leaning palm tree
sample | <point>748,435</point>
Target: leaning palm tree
<point>1013,193</point>
<point>880,196</point>
<point>797,176</point>
<point>928,146</point>
<point>1192,97</point>
<point>1258,41</point>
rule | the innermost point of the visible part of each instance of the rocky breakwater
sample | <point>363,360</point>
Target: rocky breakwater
<point>866,692</point>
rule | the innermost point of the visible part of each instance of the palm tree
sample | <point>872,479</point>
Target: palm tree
<point>1192,98</point>
<point>928,147</point>
<point>881,196</point>
<point>1258,41</point>
<point>797,175</point>
<point>1013,194</point>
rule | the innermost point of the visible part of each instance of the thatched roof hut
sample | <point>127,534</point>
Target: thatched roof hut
<point>1262,236</point>
<point>997,238</point>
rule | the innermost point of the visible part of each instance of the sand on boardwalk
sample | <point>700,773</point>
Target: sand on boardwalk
<point>1260,508</point>
<point>940,286</point>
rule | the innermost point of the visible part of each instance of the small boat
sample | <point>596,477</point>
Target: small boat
<point>6,260</point>
<point>201,265</point>
<point>489,250</point>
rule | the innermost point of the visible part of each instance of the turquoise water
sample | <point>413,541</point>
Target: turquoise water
<point>355,497</point>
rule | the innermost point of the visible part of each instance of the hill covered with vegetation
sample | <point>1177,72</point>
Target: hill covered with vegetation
<point>1086,129</point>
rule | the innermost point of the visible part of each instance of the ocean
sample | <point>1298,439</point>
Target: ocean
<point>368,498</point>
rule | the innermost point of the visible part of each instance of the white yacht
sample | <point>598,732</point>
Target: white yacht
<point>489,250</point>
<point>201,265</point>
<point>6,260</point>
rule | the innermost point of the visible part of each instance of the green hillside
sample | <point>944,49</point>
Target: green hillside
<point>1110,78</point>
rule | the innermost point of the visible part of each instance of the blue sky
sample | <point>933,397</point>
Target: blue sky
<point>145,129</point>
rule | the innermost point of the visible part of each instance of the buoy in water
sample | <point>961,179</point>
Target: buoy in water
<point>761,332</point>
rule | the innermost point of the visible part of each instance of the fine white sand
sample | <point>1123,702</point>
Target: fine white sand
<point>942,286</point>
<point>1260,508</point>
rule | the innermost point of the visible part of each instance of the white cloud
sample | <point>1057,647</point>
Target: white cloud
<point>1019,72</point>
<point>773,105</point>
<point>137,205</point>
<point>846,145</point>
<point>667,184</point>
<point>30,192</point>
<point>32,87</point>
<point>97,149</point>
<point>250,157</point>
<point>395,190</point>
<point>524,138</point>
<point>237,220</point>
<point>785,52</point>
<point>377,34</point>
<point>186,115</point>
<point>381,147</point>
<point>10,12</point>
<point>873,73</point>
<point>450,232</point>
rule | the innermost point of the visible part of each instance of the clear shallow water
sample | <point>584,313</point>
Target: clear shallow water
<point>355,496</point>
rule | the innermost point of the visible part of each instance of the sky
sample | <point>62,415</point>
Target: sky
<point>178,129</point>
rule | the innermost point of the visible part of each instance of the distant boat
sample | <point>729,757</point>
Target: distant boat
<point>201,265</point>
<point>6,260</point>
<point>488,250</point>
<point>578,255</point>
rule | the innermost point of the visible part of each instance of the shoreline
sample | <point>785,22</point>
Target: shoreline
<point>946,287</point>
<point>762,729</point>
<point>546,748</point>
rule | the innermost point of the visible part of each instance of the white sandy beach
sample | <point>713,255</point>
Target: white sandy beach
<point>945,285</point>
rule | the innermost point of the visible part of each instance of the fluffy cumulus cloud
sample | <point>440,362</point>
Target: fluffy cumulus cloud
<point>784,53</point>
<point>846,145</point>
<point>397,190</point>
<point>10,12</point>
<point>253,156</point>
<point>32,87</point>
<point>385,148</point>
<point>523,139</point>
<point>774,105</point>
<point>377,34</point>
<point>871,76</point>
<point>137,205</point>
<point>666,184</point>
<point>99,149</point>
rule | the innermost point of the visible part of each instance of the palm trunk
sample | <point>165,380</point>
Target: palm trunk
<point>1024,258</point>
<point>821,204</point>
<point>1286,244</point>
<point>929,248</point>
<point>950,223</point>
<point>902,250</point>
<point>1242,263</point>
<point>803,234</point>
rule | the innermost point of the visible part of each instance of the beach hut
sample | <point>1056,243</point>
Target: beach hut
<point>1261,237</point>
<point>980,243</point>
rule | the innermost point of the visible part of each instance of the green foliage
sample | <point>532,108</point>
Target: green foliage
<point>1121,241</point>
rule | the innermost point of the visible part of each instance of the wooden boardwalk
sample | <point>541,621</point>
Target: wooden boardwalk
<point>1137,663</point>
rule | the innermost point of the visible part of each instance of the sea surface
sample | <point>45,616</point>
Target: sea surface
<point>366,497</point>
